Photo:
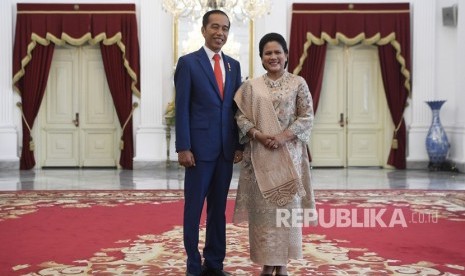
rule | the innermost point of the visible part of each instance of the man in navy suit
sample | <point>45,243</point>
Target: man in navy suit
<point>207,142</point>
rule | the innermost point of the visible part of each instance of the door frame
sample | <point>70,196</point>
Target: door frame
<point>39,153</point>
<point>385,122</point>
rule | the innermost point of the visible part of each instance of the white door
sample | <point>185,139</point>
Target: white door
<point>77,121</point>
<point>352,125</point>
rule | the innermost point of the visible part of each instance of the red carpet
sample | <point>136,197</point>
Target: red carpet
<point>139,233</point>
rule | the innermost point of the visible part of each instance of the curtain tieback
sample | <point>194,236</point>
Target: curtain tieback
<point>121,142</point>
<point>395,142</point>
<point>31,141</point>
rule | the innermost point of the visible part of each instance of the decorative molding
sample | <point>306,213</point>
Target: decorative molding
<point>417,165</point>
<point>9,165</point>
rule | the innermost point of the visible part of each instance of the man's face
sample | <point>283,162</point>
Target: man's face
<point>216,32</point>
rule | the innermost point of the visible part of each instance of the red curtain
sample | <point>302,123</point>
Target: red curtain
<point>33,85</point>
<point>384,25</point>
<point>120,87</point>
<point>314,69</point>
<point>396,100</point>
<point>40,26</point>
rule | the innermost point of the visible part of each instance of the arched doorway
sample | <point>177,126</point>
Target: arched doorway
<point>39,27</point>
<point>385,25</point>
<point>77,124</point>
<point>353,126</point>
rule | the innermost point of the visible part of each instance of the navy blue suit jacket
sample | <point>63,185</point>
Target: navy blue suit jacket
<point>205,124</point>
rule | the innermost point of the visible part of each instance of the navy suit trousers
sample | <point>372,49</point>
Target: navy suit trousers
<point>206,181</point>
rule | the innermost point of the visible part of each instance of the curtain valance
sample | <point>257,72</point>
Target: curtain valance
<point>371,24</point>
<point>76,24</point>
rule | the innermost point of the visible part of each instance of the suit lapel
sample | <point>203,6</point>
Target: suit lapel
<point>207,68</point>
<point>227,71</point>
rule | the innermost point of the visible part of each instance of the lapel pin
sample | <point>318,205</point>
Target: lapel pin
<point>229,67</point>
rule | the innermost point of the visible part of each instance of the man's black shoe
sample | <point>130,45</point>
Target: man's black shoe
<point>215,272</point>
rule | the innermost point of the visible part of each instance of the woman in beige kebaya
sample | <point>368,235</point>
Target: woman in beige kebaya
<point>275,119</point>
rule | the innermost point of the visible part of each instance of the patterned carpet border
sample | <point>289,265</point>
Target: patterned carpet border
<point>13,203</point>
<point>457,197</point>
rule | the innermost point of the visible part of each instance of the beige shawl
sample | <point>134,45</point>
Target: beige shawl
<point>274,170</point>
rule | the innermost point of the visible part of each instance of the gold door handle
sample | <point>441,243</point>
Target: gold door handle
<point>341,120</point>
<point>76,120</point>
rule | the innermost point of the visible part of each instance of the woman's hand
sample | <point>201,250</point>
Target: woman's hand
<point>272,142</point>
<point>264,139</point>
<point>280,140</point>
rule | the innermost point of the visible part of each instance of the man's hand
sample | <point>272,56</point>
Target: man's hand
<point>186,158</point>
<point>238,156</point>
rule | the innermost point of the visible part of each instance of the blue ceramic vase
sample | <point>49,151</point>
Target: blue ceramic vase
<point>437,144</point>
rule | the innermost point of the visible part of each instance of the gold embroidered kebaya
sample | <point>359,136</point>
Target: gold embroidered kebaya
<point>278,178</point>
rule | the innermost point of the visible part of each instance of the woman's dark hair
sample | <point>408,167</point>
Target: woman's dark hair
<point>272,37</point>
<point>207,15</point>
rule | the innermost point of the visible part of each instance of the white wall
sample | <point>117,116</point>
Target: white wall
<point>450,59</point>
<point>437,72</point>
<point>437,67</point>
<point>458,132</point>
<point>418,114</point>
<point>8,126</point>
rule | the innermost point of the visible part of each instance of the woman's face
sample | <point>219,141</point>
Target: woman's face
<point>273,57</point>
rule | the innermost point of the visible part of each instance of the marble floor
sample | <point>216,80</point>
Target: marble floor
<point>172,178</point>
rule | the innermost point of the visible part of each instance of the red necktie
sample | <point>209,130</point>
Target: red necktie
<point>218,74</point>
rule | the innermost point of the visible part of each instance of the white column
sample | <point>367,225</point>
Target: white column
<point>418,114</point>
<point>155,53</point>
<point>8,133</point>
<point>458,135</point>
